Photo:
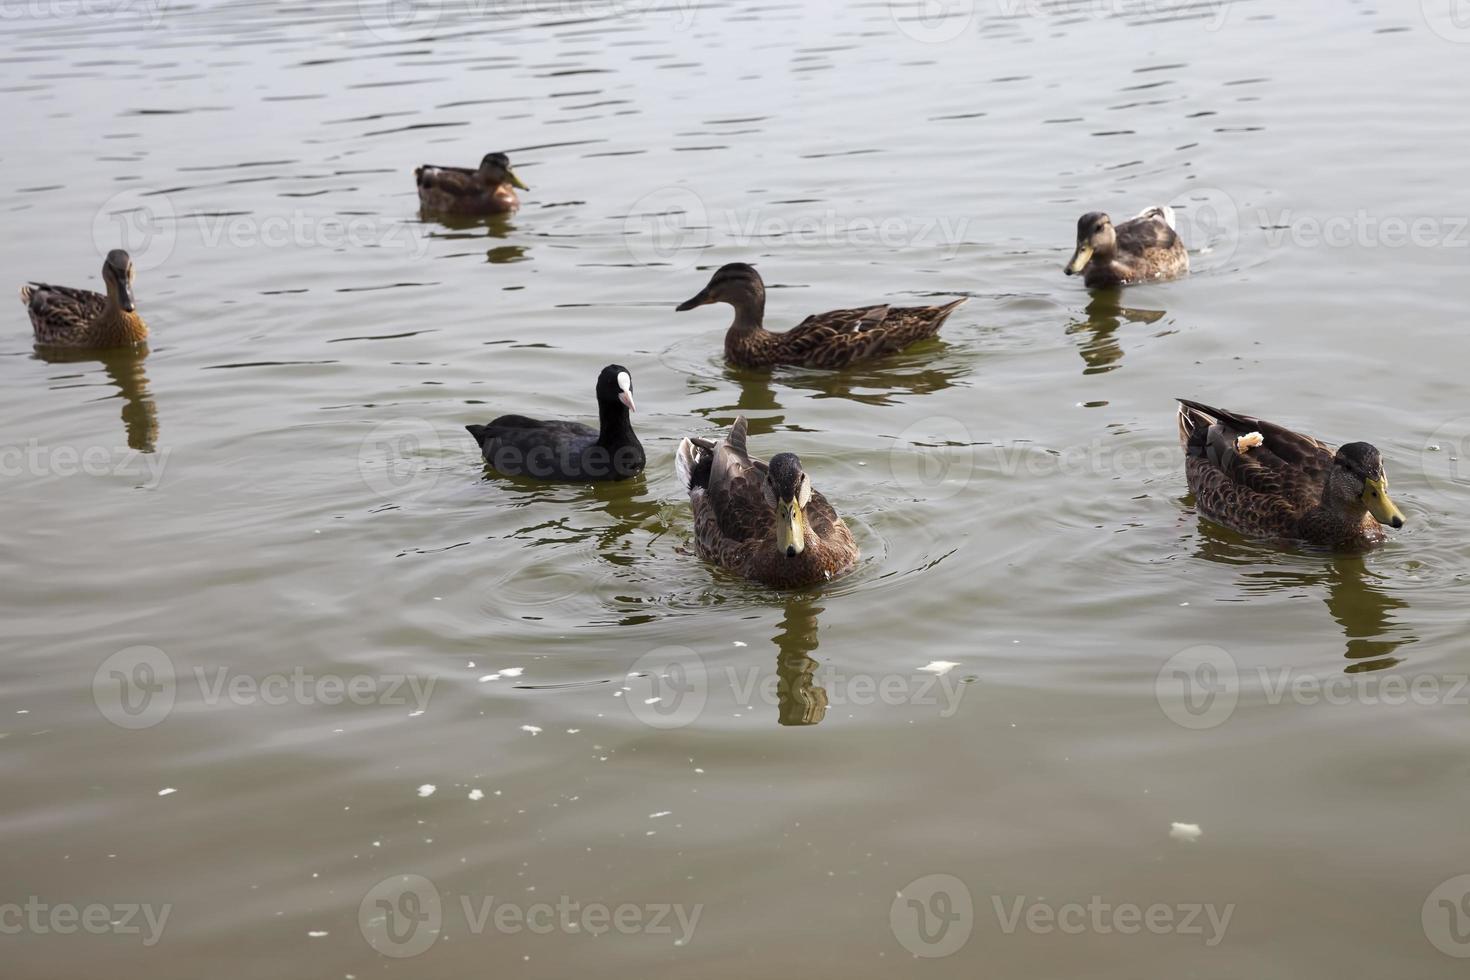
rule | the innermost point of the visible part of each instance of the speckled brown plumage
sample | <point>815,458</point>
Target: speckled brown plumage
<point>1142,249</point>
<point>823,340</point>
<point>1289,486</point>
<point>63,317</point>
<point>734,501</point>
<point>490,189</point>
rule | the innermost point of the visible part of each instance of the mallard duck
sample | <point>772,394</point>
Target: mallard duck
<point>569,451</point>
<point>763,521</point>
<point>822,340</point>
<point>1266,481</point>
<point>1141,249</point>
<point>460,190</point>
<point>66,317</point>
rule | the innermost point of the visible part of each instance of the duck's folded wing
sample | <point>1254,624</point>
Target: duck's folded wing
<point>734,493</point>
<point>53,302</point>
<point>1145,233</point>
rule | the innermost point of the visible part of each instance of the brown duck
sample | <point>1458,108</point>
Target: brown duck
<point>822,340</point>
<point>79,318</point>
<point>1266,481</point>
<point>490,189</point>
<point>762,521</point>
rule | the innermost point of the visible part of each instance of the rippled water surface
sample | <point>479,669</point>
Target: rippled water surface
<point>284,663</point>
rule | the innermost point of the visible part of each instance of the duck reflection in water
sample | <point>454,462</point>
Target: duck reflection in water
<point>1353,594</point>
<point>871,384</point>
<point>800,701</point>
<point>1105,314</point>
<point>124,367</point>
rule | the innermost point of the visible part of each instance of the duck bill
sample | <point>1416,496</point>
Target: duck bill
<point>700,298</point>
<point>1080,258</point>
<point>626,397</point>
<point>510,175</point>
<point>790,529</point>
<point>125,296</point>
<point>1380,505</point>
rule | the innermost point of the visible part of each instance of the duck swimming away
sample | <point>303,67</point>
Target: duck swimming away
<point>569,452</point>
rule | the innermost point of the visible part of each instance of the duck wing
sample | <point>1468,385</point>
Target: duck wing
<point>59,313</point>
<point>734,494</point>
<point>450,180</point>
<point>1151,230</point>
<point>1284,473</point>
<point>840,337</point>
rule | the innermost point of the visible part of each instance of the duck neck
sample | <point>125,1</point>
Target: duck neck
<point>750,314</point>
<point>615,426</point>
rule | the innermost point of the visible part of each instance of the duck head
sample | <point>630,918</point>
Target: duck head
<point>1095,234</point>
<point>495,170</point>
<point>788,491</point>
<point>1357,483</point>
<point>117,272</point>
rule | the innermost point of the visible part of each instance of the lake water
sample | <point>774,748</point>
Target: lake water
<point>292,688</point>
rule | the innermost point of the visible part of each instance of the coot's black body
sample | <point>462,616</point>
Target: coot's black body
<point>569,451</point>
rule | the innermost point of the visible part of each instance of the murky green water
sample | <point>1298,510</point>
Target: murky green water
<point>415,721</point>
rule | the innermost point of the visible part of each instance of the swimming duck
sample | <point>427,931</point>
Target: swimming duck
<point>822,340</point>
<point>763,521</point>
<point>569,451</point>
<point>79,318</point>
<point>1141,249</point>
<point>460,190</point>
<point>1266,481</point>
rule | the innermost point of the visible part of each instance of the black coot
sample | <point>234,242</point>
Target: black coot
<point>569,451</point>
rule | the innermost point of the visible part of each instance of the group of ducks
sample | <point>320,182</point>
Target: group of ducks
<point>763,520</point>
